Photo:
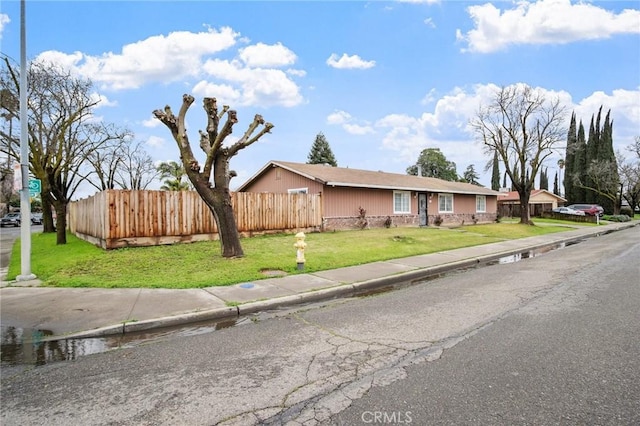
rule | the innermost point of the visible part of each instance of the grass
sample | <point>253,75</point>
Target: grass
<point>196,265</point>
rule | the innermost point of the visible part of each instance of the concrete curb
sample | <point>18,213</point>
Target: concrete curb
<point>371,286</point>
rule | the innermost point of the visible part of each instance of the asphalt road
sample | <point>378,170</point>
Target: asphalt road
<point>547,340</point>
<point>571,357</point>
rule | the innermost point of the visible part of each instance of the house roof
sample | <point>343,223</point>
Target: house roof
<point>354,178</point>
<point>514,196</point>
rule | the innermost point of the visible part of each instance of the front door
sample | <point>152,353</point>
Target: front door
<point>422,209</point>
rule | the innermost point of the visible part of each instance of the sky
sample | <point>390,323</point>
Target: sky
<point>382,80</point>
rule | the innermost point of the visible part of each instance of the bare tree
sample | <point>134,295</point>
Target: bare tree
<point>62,133</point>
<point>136,169</point>
<point>216,194</point>
<point>9,106</point>
<point>522,127</point>
<point>629,171</point>
<point>121,163</point>
<point>106,163</point>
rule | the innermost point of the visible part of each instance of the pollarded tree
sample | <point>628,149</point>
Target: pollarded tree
<point>211,180</point>
<point>321,152</point>
<point>523,127</point>
<point>433,163</point>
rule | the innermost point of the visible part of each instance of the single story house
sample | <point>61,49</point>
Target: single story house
<point>540,201</point>
<point>385,198</point>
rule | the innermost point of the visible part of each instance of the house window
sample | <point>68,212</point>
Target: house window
<point>445,203</point>
<point>481,203</point>
<point>298,191</point>
<point>401,202</point>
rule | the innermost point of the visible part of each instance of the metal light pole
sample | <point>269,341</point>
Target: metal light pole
<point>25,204</point>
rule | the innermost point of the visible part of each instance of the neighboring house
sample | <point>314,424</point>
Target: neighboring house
<point>540,201</point>
<point>405,200</point>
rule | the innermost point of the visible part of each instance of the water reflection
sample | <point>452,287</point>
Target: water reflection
<point>27,346</point>
<point>20,346</point>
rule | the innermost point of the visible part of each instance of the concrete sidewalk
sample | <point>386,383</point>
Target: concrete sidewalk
<point>89,312</point>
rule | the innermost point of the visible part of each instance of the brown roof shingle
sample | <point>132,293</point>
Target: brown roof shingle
<point>340,176</point>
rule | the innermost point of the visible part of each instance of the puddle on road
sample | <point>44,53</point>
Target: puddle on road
<point>34,347</point>
<point>21,346</point>
<point>516,257</point>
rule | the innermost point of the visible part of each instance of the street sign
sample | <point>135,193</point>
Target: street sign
<point>35,187</point>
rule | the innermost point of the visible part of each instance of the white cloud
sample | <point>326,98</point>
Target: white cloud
<point>251,79</point>
<point>296,73</point>
<point>357,129</point>
<point>349,62</point>
<point>103,101</point>
<point>151,122</point>
<point>343,118</point>
<point>544,22</point>
<point>224,93</point>
<point>263,55</point>
<point>156,141</point>
<point>249,86</point>
<point>4,20</point>
<point>156,59</point>
<point>338,117</point>
<point>429,23</point>
<point>625,112</point>
<point>446,126</point>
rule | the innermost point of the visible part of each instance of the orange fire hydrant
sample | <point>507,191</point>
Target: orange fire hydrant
<point>300,246</point>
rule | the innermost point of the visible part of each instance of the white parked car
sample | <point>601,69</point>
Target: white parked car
<point>568,210</point>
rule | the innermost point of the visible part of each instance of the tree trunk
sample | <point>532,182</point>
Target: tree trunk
<point>525,217</point>
<point>61,222</point>
<point>48,226</point>
<point>226,221</point>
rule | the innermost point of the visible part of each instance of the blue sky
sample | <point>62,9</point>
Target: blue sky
<point>382,80</point>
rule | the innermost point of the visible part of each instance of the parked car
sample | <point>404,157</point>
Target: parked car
<point>10,219</point>
<point>589,209</point>
<point>568,210</point>
<point>36,218</point>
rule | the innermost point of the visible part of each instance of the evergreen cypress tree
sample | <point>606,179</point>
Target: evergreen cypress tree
<point>544,179</point>
<point>606,155</point>
<point>321,152</point>
<point>591,155</point>
<point>555,185</point>
<point>495,173</point>
<point>580,165</point>
<point>569,161</point>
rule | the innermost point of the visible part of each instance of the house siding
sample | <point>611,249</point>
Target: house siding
<point>341,204</point>
<point>464,210</point>
<point>279,180</point>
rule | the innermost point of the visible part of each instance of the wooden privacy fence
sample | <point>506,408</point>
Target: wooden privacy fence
<point>124,218</point>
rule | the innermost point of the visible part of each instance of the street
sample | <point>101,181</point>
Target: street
<point>548,340</point>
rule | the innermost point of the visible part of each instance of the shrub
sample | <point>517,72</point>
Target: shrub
<point>362,218</point>
<point>626,211</point>
<point>438,220</point>
<point>619,218</point>
<point>388,222</point>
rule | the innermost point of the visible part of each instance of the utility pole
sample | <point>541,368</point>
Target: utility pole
<point>25,203</point>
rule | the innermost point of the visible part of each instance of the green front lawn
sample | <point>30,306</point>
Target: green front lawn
<point>196,265</point>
